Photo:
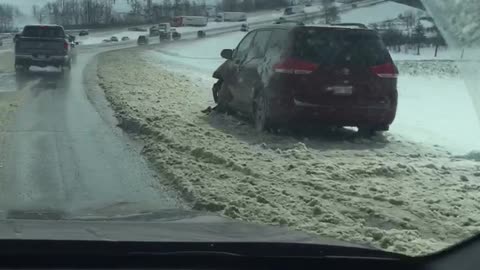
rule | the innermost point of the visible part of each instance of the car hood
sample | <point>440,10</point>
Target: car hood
<point>159,226</point>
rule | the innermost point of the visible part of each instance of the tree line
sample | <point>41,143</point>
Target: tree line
<point>7,17</point>
<point>251,5</point>
<point>412,33</point>
<point>75,12</point>
<point>97,12</point>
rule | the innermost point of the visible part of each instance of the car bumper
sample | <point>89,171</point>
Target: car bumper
<point>361,115</point>
<point>31,60</point>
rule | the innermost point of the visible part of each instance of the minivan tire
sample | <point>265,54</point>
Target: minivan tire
<point>367,132</point>
<point>223,97</point>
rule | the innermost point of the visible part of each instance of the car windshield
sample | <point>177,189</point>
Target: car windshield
<point>352,120</point>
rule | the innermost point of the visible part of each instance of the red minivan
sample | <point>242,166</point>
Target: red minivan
<point>330,75</point>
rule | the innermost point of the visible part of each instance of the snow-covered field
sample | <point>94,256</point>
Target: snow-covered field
<point>376,13</point>
<point>389,192</point>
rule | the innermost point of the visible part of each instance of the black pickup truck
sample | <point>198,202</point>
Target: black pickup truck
<point>43,45</point>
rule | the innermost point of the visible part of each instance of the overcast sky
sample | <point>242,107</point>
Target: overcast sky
<point>26,5</point>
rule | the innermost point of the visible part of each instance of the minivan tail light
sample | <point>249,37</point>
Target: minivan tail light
<point>295,66</point>
<point>65,45</point>
<point>385,71</point>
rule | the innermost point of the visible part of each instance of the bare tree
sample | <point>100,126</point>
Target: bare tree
<point>39,13</point>
<point>136,6</point>
<point>330,11</point>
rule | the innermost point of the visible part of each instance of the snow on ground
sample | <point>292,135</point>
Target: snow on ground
<point>428,53</point>
<point>392,194</point>
<point>376,13</point>
<point>438,111</point>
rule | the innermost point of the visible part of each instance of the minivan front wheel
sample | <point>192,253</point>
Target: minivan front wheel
<point>223,97</point>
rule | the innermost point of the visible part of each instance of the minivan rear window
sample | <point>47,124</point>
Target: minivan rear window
<point>333,47</point>
<point>43,31</point>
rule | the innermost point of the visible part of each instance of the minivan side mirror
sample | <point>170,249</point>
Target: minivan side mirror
<point>227,54</point>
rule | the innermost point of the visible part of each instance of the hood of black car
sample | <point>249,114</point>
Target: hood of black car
<point>158,226</point>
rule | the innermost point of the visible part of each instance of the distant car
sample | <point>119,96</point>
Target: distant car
<point>142,40</point>
<point>165,36</point>
<point>176,35</point>
<point>280,20</point>
<point>106,40</point>
<point>114,39</point>
<point>294,10</point>
<point>125,38</point>
<point>83,33</point>
<point>201,34</point>
<point>329,75</point>
<point>244,27</point>
<point>165,31</point>
<point>72,41</point>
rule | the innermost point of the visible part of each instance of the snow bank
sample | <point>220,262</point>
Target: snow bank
<point>392,194</point>
<point>9,98</point>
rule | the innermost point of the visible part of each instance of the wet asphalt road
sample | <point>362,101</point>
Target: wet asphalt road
<point>61,154</point>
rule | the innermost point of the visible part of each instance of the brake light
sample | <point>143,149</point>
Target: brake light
<point>385,71</point>
<point>295,66</point>
<point>65,45</point>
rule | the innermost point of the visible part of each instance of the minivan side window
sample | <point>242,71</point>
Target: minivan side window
<point>277,44</point>
<point>242,49</point>
<point>259,45</point>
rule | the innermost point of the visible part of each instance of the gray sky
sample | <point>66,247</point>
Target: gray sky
<point>26,5</point>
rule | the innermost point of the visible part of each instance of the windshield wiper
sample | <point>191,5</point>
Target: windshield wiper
<point>221,249</point>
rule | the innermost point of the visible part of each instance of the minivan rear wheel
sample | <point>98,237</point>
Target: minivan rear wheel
<point>261,113</point>
<point>367,131</point>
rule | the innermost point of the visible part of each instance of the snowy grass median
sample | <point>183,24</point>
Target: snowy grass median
<point>385,192</point>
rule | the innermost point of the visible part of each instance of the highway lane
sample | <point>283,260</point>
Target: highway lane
<point>61,154</point>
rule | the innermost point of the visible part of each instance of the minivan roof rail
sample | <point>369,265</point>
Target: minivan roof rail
<point>359,25</point>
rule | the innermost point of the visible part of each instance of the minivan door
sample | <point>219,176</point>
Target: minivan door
<point>232,78</point>
<point>249,75</point>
